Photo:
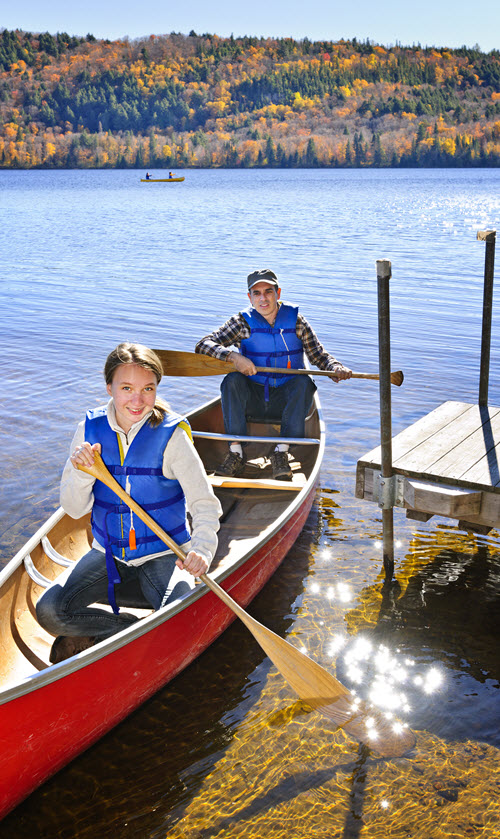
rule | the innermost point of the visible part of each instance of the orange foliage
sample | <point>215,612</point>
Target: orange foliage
<point>208,73</point>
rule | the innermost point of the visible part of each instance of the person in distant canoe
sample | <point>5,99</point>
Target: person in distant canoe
<point>170,175</point>
<point>148,176</point>
<point>268,334</point>
<point>150,452</point>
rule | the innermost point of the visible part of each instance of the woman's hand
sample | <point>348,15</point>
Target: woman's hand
<point>84,454</point>
<point>195,563</point>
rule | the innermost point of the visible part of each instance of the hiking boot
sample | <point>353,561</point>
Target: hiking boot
<point>281,466</point>
<point>233,465</point>
<point>65,646</point>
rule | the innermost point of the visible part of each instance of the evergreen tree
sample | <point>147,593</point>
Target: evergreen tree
<point>311,154</point>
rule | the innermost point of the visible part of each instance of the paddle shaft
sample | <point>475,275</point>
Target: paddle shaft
<point>99,471</point>
<point>260,632</point>
<point>178,363</point>
<point>315,685</point>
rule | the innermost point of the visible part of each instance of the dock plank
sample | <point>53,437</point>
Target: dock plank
<point>470,456</point>
<point>453,450</point>
<point>486,469</point>
<point>421,431</point>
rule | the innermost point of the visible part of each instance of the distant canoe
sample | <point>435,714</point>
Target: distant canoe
<point>161,180</point>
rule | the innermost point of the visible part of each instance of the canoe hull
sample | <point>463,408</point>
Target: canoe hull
<point>42,730</point>
<point>161,180</point>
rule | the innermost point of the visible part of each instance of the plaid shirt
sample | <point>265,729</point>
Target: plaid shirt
<point>236,329</point>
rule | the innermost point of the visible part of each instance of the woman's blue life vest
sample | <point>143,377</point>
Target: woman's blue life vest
<point>162,498</point>
<point>273,346</point>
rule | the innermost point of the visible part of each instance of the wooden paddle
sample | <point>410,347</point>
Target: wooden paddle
<point>176,363</point>
<point>311,682</point>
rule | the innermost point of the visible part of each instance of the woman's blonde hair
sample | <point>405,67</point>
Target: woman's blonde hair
<point>128,353</point>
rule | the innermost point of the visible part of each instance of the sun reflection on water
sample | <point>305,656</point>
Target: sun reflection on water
<point>341,592</point>
<point>384,677</point>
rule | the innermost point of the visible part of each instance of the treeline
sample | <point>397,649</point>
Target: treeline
<point>202,101</point>
<point>15,46</point>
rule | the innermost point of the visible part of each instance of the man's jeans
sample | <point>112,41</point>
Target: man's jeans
<point>64,608</point>
<point>241,397</point>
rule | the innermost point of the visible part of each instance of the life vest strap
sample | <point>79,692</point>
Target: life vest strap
<point>273,330</point>
<point>110,507</point>
<point>140,540</point>
<point>134,470</point>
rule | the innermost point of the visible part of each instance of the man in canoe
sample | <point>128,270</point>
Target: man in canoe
<point>149,450</point>
<point>268,334</point>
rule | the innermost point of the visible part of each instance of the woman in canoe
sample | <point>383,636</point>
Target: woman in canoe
<point>149,451</point>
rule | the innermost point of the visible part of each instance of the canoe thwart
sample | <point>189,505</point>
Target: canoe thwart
<point>292,441</point>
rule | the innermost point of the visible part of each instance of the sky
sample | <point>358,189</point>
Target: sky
<point>449,23</point>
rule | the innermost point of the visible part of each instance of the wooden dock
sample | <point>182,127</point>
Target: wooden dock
<point>447,464</point>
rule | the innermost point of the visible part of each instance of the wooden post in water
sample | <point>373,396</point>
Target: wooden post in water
<point>488,236</point>
<point>384,349</point>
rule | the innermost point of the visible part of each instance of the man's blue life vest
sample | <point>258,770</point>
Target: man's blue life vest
<point>273,346</point>
<point>162,498</point>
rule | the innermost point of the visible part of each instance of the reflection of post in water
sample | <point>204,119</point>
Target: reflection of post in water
<point>354,823</point>
<point>452,604</point>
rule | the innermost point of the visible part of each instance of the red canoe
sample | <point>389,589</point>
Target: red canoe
<point>51,713</point>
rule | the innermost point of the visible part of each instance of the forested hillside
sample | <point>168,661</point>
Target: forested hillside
<point>204,101</point>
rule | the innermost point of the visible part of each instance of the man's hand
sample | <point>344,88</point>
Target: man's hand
<point>340,372</point>
<point>242,364</point>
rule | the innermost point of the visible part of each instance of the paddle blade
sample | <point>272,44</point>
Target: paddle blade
<point>383,734</point>
<point>176,363</point>
<point>322,691</point>
<point>397,378</point>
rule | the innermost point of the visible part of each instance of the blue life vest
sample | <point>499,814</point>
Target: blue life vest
<point>162,498</point>
<point>273,346</point>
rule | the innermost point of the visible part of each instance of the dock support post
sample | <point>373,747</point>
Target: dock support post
<point>489,237</point>
<point>384,344</point>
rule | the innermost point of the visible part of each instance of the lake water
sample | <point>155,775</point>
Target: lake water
<point>93,258</point>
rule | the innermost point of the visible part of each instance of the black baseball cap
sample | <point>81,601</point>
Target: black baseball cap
<point>262,276</point>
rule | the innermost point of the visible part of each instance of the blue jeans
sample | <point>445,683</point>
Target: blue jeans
<point>242,397</point>
<point>65,607</point>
